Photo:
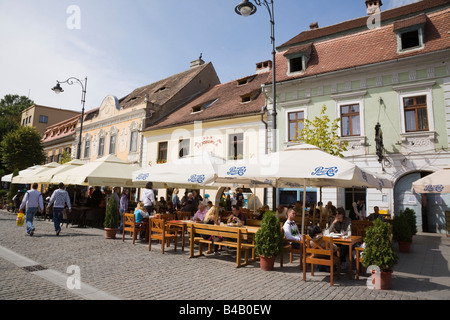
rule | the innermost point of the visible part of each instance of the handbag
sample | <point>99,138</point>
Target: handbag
<point>20,218</point>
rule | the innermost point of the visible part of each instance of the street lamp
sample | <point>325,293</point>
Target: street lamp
<point>58,89</point>
<point>246,8</point>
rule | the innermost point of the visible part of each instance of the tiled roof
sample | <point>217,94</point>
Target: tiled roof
<point>221,101</point>
<point>348,26</point>
<point>161,91</point>
<point>60,130</point>
<point>369,46</point>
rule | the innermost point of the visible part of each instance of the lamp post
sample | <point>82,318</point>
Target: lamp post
<point>57,89</point>
<point>245,9</point>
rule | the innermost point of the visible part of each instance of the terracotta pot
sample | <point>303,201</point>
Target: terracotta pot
<point>110,233</point>
<point>404,247</point>
<point>381,280</point>
<point>266,263</point>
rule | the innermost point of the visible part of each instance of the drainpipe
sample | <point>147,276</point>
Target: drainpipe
<point>263,112</point>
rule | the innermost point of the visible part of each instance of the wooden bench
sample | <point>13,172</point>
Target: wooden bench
<point>231,237</point>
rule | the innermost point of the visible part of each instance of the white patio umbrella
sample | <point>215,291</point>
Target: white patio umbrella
<point>187,172</point>
<point>29,176</point>
<point>299,167</point>
<point>106,171</point>
<point>8,177</point>
<point>437,182</point>
<point>47,176</point>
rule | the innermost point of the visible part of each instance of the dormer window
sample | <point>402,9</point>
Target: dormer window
<point>203,106</point>
<point>244,81</point>
<point>298,58</point>
<point>246,98</point>
<point>410,33</point>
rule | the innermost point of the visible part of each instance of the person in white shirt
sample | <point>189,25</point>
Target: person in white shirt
<point>148,198</point>
<point>32,201</point>
<point>290,228</point>
<point>59,199</point>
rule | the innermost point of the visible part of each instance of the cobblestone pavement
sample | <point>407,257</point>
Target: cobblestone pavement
<point>112,269</point>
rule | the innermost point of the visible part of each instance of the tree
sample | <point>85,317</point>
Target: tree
<point>66,157</point>
<point>323,134</point>
<point>11,108</point>
<point>21,148</point>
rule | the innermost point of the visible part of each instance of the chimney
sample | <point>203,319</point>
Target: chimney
<point>373,6</point>
<point>262,67</point>
<point>197,62</point>
<point>313,25</point>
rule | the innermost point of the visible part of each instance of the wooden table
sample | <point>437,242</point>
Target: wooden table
<point>348,241</point>
<point>182,224</point>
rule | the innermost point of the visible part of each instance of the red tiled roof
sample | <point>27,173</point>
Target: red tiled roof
<point>346,26</point>
<point>60,130</point>
<point>227,98</point>
<point>369,46</point>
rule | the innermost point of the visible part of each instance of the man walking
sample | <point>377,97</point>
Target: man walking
<point>59,198</point>
<point>33,201</point>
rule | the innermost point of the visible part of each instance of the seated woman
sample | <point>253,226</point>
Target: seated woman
<point>316,237</point>
<point>212,217</point>
<point>139,214</point>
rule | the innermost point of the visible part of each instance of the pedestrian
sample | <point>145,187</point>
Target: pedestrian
<point>123,207</point>
<point>148,198</point>
<point>59,199</point>
<point>33,202</point>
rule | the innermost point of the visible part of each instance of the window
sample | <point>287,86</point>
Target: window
<point>184,147</point>
<point>246,98</point>
<point>101,146</point>
<point>134,141</point>
<point>43,119</point>
<point>350,122</point>
<point>236,146</point>
<point>410,33</point>
<point>112,144</point>
<point>87,146</point>
<point>416,113</point>
<point>162,152</point>
<point>296,64</point>
<point>296,123</point>
<point>410,39</point>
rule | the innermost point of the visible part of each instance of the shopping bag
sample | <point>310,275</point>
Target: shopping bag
<point>20,218</point>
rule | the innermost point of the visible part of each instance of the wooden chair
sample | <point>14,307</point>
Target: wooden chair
<point>287,247</point>
<point>321,253</point>
<point>359,260</point>
<point>159,232</point>
<point>359,227</point>
<point>166,216</point>
<point>184,215</point>
<point>129,224</point>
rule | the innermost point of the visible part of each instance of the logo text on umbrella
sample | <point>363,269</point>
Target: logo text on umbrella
<point>142,176</point>
<point>197,178</point>
<point>432,188</point>
<point>321,171</point>
<point>237,171</point>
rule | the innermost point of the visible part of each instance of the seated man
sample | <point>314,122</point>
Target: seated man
<point>236,216</point>
<point>376,214</point>
<point>290,228</point>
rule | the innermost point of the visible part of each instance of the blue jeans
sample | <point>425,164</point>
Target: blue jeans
<point>57,216</point>
<point>121,220</point>
<point>29,213</point>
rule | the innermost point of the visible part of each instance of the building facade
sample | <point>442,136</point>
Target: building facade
<point>387,77</point>
<point>41,117</point>
<point>116,126</point>
<point>228,121</point>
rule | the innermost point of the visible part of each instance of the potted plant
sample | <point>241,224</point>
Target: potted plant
<point>378,253</point>
<point>411,218</point>
<point>268,240</point>
<point>111,222</point>
<point>402,233</point>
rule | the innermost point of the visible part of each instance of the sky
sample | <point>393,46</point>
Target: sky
<point>122,45</point>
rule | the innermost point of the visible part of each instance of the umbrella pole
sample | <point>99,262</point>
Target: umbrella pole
<point>304,206</point>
